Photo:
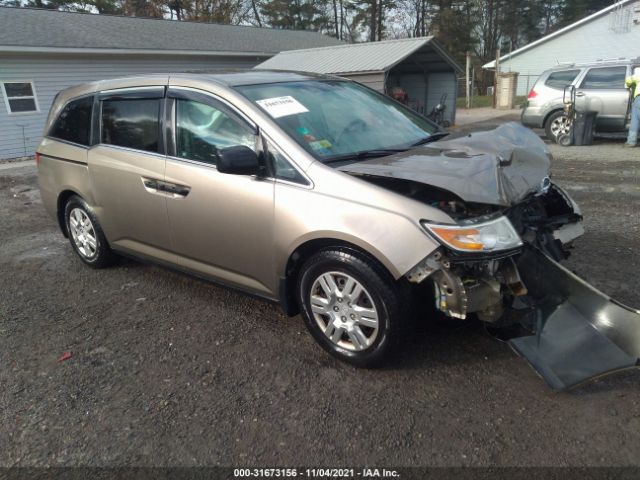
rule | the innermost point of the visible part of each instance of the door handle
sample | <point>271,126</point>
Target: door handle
<point>175,189</point>
<point>154,186</point>
<point>150,183</point>
<point>579,94</point>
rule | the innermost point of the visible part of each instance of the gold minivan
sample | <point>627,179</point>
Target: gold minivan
<point>316,192</point>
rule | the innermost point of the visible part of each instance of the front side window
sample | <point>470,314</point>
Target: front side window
<point>202,130</point>
<point>333,118</point>
<point>74,122</point>
<point>605,78</point>
<point>20,97</point>
<point>132,123</point>
<point>561,79</point>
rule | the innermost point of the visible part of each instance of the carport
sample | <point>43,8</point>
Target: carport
<point>420,67</point>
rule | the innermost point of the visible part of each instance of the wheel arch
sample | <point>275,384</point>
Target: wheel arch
<point>305,250</point>
<point>551,112</point>
<point>63,198</point>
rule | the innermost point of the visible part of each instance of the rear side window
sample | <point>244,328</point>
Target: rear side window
<point>561,79</point>
<point>605,78</point>
<point>74,122</point>
<point>132,123</point>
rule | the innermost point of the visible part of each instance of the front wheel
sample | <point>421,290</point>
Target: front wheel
<point>351,306</point>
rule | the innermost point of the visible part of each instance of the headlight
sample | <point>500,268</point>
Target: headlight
<point>490,236</point>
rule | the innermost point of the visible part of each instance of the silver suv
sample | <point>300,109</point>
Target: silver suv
<point>599,87</point>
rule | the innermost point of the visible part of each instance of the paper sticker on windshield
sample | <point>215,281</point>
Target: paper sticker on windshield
<point>282,106</point>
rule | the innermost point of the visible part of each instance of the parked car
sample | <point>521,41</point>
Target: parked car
<point>312,191</point>
<point>599,87</point>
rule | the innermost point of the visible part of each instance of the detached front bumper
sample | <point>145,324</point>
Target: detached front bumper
<point>581,333</point>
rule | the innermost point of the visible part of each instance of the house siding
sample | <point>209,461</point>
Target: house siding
<point>600,39</point>
<point>20,133</point>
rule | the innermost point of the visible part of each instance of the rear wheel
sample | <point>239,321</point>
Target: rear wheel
<point>85,234</point>
<point>557,125</point>
<point>350,306</point>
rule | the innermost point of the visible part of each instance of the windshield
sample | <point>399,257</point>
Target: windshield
<point>333,118</point>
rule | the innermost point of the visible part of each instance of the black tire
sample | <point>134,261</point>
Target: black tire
<point>103,255</point>
<point>549,122</point>
<point>389,300</point>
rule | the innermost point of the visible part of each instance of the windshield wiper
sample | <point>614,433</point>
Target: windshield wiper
<point>375,153</point>
<point>431,138</point>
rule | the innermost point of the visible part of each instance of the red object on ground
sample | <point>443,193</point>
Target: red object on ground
<point>65,356</point>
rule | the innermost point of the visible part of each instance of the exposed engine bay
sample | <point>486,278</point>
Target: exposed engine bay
<point>487,284</point>
<point>499,259</point>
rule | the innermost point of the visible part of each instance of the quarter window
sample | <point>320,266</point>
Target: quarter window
<point>605,78</point>
<point>282,168</point>
<point>74,122</point>
<point>561,79</point>
<point>132,123</point>
<point>20,97</point>
<point>202,130</point>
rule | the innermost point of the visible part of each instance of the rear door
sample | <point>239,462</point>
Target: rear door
<point>126,167</point>
<point>602,90</point>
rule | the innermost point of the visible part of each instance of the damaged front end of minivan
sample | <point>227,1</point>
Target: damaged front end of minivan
<point>499,258</point>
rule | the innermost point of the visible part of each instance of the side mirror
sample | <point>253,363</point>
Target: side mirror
<point>239,160</point>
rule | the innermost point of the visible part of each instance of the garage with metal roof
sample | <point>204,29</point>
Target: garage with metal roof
<point>416,71</point>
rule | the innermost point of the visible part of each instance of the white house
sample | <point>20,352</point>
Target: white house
<point>45,51</point>
<point>612,33</point>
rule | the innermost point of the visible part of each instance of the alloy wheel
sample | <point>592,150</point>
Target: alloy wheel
<point>83,233</point>
<point>560,126</point>
<point>344,311</point>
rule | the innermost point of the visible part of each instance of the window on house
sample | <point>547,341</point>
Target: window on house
<point>20,97</point>
<point>74,122</point>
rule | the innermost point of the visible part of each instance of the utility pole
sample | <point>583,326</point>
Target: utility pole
<point>495,79</point>
<point>466,80</point>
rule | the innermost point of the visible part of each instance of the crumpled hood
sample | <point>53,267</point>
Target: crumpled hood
<point>497,167</point>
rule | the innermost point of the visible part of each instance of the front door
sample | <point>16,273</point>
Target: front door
<point>221,224</point>
<point>602,90</point>
<point>125,168</point>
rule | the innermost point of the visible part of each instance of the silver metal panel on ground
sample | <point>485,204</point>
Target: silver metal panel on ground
<point>582,333</point>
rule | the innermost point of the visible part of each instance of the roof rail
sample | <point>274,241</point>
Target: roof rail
<point>610,60</point>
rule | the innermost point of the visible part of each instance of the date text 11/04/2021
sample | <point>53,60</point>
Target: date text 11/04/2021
<point>315,472</point>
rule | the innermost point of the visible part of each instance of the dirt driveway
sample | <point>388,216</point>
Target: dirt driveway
<point>168,370</point>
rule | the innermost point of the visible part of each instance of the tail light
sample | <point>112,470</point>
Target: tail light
<point>37,159</point>
<point>532,94</point>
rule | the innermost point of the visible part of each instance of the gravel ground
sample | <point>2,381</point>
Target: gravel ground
<point>169,370</point>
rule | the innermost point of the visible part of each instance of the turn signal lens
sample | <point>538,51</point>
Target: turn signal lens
<point>489,236</point>
<point>464,238</point>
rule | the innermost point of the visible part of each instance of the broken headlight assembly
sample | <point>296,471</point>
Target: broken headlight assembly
<point>486,236</point>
